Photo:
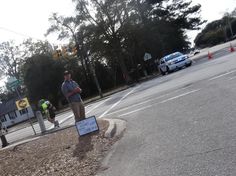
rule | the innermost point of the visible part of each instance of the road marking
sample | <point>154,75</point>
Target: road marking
<point>98,105</point>
<point>169,99</point>
<point>131,112</point>
<point>181,95</point>
<point>123,109</point>
<point>232,78</point>
<point>219,76</point>
<point>117,102</point>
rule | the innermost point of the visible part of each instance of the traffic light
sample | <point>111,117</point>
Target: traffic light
<point>64,51</point>
<point>57,54</point>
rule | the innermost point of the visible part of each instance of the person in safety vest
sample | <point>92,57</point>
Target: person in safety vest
<point>48,110</point>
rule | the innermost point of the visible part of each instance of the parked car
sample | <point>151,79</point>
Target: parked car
<point>174,62</point>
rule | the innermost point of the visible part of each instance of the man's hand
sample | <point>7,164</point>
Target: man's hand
<point>75,91</point>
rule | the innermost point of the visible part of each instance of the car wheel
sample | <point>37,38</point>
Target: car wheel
<point>162,72</point>
<point>167,70</point>
<point>189,64</point>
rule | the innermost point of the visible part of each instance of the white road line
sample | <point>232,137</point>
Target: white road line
<point>232,78</point>
<point>181,95</point>
<point>117,102</point>
<point>219,76</point>
<point>123,109</point>
<point>131,112</point>
<point>169,99</point>
<point>98,105</point>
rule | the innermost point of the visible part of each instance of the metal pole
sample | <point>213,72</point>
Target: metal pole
<point>27,111</point>
<point>41,121</point>
<point>17,93</point>
<point>31,123</point>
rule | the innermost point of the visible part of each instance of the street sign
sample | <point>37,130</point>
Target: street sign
<point>87,126</point>
<point>147,56</point>
<point>22,104</point>
<point>13,83</point>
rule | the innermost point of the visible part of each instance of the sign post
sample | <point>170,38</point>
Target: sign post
<point>23,104</point>
<point>13,84</point>
<point>147,56</point>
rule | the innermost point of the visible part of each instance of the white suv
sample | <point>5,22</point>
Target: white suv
<point>174,62</point>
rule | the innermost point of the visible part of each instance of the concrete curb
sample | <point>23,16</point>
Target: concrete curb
<point>116,127</point>
<point>111,129</point>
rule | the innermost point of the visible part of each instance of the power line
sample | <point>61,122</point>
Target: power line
<point>23,35</point>
<point>17,33</point>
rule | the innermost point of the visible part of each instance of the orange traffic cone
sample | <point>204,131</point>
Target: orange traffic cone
<point>209,55</point>
<point>231,49</point>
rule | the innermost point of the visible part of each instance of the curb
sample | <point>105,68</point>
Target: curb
<point>111,129</point>
<point>116,128</point>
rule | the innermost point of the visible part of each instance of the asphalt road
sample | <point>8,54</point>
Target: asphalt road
<point>179,124</point>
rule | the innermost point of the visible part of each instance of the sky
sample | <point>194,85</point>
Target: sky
<point>21,19</point>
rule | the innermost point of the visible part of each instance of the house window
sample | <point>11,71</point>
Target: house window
<point>23,111</point>
<point>12,115</point>
<point>3,118</point>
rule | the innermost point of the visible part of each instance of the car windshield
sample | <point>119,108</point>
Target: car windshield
<point>172,56</point>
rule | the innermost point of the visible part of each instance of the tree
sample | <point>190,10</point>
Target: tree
<point>31,48</point>
<point>216,32</point>
<point>69,28</point>
<point>43,77</point>
<point>107,22</point>
<point>10,59</point>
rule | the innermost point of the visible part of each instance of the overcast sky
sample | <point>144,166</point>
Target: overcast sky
<point>29,18</point>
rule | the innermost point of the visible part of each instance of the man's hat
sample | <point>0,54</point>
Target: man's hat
<point>66,72</point>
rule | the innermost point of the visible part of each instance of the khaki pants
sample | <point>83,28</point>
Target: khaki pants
<point>78,110</point>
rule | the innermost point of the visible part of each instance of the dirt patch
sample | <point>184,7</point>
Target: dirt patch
<point>61,153</point>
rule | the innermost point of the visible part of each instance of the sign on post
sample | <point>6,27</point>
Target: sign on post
<point>22,104</point>
<point>147,56</point>
<point>87,126</point>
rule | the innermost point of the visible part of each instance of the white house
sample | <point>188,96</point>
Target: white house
<point>9,115</point>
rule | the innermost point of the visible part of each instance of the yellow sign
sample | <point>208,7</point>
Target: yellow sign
<point>22,104</point>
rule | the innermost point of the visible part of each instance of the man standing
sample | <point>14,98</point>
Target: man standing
<point>71,91</point>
